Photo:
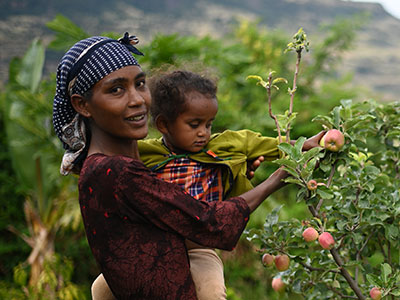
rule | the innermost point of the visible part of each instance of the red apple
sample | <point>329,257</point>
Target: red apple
<point>333,140</point>
<point>282,262</point>
<point>267,259</point>
<point>326,240</point>
<point>375,293</point>
<point>278,285</point>
<point>312,185</point>
<point>310,234</point>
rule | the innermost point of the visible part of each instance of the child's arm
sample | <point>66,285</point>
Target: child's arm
<point>253,165</point>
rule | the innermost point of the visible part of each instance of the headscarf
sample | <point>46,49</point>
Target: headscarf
<point>86,63</point>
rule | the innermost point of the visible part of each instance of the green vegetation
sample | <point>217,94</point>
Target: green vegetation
<point>41,206</point>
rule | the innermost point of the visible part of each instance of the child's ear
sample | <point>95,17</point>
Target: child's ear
<point>80,105</point>
<point>161,124</point>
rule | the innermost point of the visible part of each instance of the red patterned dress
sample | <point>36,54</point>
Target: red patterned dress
<point>136,225</point>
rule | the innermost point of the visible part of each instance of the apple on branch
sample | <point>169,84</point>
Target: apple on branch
<point>267,259</point>
<point>282,262</point>
<point>277,284</point>
<point>312,185</point>
<point>326,240</point>
<point>375,293</point>
<point>310,234</point>
<point>333,140</point>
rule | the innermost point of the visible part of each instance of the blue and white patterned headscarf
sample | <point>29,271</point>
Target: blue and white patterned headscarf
<point>86,63</point>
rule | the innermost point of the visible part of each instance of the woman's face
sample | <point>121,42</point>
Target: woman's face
<point>191,130</point>
<point>119,105</point>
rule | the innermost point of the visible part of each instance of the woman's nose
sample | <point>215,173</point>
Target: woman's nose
<point>135,98</point>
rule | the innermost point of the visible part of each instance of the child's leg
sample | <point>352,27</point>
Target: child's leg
<point>208,274</point>
<point>100,289</point>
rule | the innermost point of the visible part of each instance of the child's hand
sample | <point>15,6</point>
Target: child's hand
<point>313,141</point>
<point>253,165</point>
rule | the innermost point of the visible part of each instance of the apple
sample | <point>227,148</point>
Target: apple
<point>375,293</point>
<point>326,240</point>
<point>282,262</point>
<point>267,259</point>
<point>312,185</point>
<point>278,285</point>
<point>310,234</point>
<point>333,140</point>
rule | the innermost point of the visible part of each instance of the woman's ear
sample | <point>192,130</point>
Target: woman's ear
<point>80,105</point>
<point>161,124</point>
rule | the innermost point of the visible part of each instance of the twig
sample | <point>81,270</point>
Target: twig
<point>268,87</point>
<point>340,294</point>
<point>346,275</point>
<point>328,184</point>
<point>359,254</point>
<point>317,269</point>
<point>353,284</point>
<point>293,91</point>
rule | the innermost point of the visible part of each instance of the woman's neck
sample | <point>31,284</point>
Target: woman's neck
<point>119,147</point>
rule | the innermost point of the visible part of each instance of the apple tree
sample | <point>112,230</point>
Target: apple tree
<point>351,189</point>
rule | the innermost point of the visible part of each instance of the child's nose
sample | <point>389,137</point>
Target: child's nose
<point>202,131</point>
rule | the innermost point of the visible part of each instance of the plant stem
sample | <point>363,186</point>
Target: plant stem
<point>328,184</point>
<point>346,275</point>
<point>353,284</point>
<point>293,91</point>
<point>270,108</point>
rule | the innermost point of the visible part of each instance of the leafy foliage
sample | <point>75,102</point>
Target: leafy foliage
<point>358,204</point>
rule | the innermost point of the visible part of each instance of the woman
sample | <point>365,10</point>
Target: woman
<point>136,224</point>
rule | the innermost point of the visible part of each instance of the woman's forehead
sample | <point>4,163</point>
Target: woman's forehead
<point>125,73</point>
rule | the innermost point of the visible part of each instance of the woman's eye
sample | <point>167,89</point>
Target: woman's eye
<point>141,83</point>
<point>116,90</point>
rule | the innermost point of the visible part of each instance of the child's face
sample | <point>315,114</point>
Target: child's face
<point>191,130</point>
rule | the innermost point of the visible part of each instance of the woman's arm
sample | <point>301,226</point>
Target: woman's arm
<point>257,195</point>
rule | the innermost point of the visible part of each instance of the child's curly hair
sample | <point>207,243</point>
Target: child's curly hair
<point>169,91</point>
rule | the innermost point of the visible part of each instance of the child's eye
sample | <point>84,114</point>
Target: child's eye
<point>209,125</point>
<point>194,125</point>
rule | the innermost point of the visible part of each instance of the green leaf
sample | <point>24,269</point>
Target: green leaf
<point>67,33</point>
<point>273,217</point>
<point>279,80</point>
<point>324,192</point>
<point>293,180</point>
<point>298,148</point>
<point>285,147</point>
<point>311,153</point>
<point>386,270</point>
<point>324,120</point>
<point>30,72</point>
<point>374,280</point>
<point>336,116</point>
<point>286,162</point>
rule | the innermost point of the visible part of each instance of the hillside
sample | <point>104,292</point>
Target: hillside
<point>375,61</point>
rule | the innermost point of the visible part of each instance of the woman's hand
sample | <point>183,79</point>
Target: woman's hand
<point>313,141</point>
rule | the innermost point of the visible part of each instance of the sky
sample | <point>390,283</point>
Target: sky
<point>391,6</point>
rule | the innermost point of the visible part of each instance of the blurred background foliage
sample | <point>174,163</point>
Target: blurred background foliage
<point>43,249</point>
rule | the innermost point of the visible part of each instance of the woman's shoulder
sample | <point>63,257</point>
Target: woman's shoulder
<point>104,164</point>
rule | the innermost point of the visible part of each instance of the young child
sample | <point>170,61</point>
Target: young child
<point>209,167</point>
